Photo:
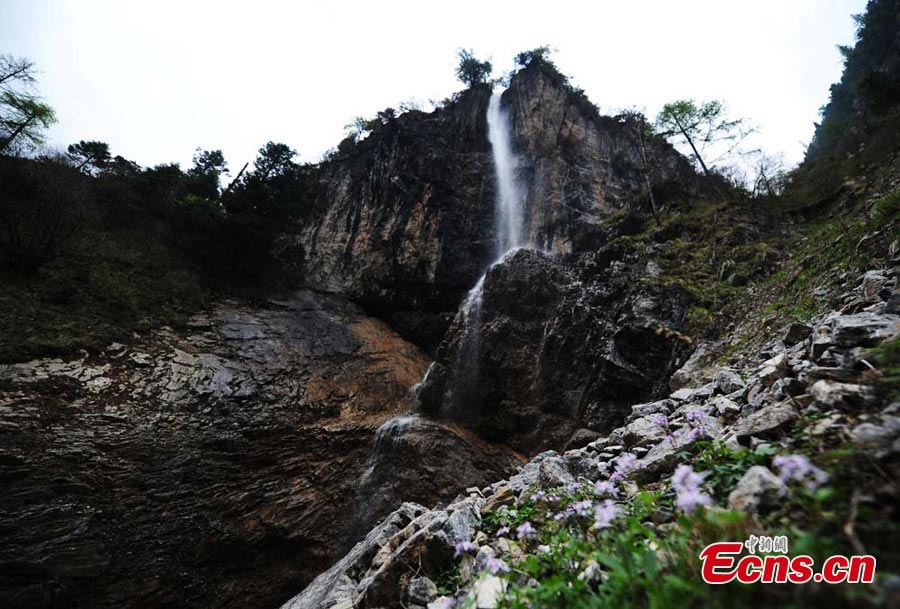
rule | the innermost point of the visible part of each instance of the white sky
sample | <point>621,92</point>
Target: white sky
<point>157,79</point>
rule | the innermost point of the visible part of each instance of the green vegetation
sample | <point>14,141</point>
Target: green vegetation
<point>88,258</point>
<point>23,116</point>
<point>471,71</point>
<point>579,550</point>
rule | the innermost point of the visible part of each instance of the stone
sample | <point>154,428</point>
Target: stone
<point>553,473</point>
<point>796,333</point>
<point>725,407</point>
<point>502,496</point>
<point>642,432</point>
<point>728,381</point>
<point>773,369</point>
<point>486,591</point>
<point>757,488</point>
<point>695,370</point>
<point>421,591</point>
<point>871,283</point>
<point>788,387</point>
<point>770,421</point>
<point>846,397</point>
<point>826,425</point>
<point>879,435</point>
<point>864,329</point>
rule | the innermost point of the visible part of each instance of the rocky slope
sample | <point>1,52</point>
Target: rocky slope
<point>214,466</point>
<point>809,392</point>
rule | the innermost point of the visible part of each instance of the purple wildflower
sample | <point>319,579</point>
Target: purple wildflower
<point>582,508</point>
<point>525,530</point>
<point>697,433</point>
<point>694,416</point>
<point>660,419</point>
<point>801,469</point>
<point>553,498</point>
<point>538,495</point>
<point>502,531</point>
<point>607,488</point>
<point>462,547</point>
<point>688,496</point>
<point>605,513</point>
<point>626,464</point>
<point>495,565</point>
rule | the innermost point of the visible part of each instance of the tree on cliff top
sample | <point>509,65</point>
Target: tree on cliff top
<point>701,126</point>
<point>470,70</point>
<point>23,116</point>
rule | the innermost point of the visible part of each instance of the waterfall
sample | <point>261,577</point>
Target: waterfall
<point>462,377</point>
<point>508,198</point>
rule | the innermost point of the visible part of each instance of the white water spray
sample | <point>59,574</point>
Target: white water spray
<point>508,202</point>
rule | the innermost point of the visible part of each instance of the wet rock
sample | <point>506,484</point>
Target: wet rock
<point>757,488</point>
<point>418,459</point>
<point>554,353</point>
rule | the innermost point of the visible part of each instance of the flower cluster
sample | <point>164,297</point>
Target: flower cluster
<point>799,468</point>
<point>605,513</point>
<point>625,464</point>
<point>605,488</point>
<point>525,530</point>
<point>463,547</point>
<point>686,483</point>
<point>495,565</point>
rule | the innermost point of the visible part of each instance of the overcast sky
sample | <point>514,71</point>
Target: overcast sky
<point>157,79</point>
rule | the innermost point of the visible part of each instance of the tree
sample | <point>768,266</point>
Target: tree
<point>205,174</point>
<point>537,56</point>
<point>276,189</point>
<point>89,155</point>
<point>640,133</point>
<point>360,126</point>
<point>701,126</point>
<point>23,116</point>
<point>471,71</point>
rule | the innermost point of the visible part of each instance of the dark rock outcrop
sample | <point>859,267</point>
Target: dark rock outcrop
<point>211,467</point>
<point>560,347</point>
<point>425,461</point>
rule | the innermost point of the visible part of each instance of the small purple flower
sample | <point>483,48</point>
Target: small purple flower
<point>462,547</point>
<point>801,469</point>
<point>495,565</point>
<point>694,416</point>
<point>538,495</point>
<point>553,498</point>
<point>502,531</point>
<point>686,483</point>
<point>607,488</point>
<point>688,501</point>
<point>605,513</point>
<point>626,464</point>
<point>525,530</point>
<point>582,508</point>
<point>697,433</point>
<point>660,419</point>
<point>560,516</point>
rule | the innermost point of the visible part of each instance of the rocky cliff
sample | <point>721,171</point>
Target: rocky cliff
<point>214,466</point>
<point>407,222</point>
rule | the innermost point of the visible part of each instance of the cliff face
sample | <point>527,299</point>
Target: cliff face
<point>578,167</point>
<point>407,217</point>
<point>211,467</point>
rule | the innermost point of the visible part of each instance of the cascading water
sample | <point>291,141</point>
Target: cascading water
<point>463,376</point>
<point>508,198</point>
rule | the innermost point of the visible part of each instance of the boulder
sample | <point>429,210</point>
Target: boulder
<point>728,381</point>
<point>421,591</point>
<point>864,329</point>
<point>757,488</point>
<point>770,421</point>
<point>847,397</point>
<point>796,333</point>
